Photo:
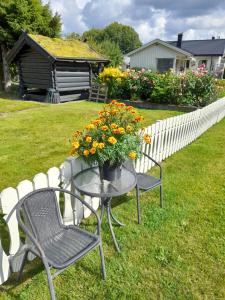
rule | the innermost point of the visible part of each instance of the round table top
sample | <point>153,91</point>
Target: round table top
<point>88,182</point>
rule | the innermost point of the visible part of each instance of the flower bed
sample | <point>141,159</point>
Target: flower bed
<point>196,88</point>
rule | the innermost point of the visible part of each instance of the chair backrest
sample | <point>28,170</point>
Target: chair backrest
<point>98,92</point>
<point>41,213</point>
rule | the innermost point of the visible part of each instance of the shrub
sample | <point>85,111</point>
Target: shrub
<point>191,88</point>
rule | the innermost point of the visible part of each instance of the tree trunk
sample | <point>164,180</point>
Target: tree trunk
<point>5,67</point>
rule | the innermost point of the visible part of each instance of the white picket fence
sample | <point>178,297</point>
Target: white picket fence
<point>168,136</point>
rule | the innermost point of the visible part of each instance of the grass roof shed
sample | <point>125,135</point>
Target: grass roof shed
<point>54,69</point>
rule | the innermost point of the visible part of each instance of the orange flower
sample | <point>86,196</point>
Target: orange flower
<point>114,126</point>
<point>73,151</point>
<point>90,126</point>
<point>104,127</point>
<point>112,140</point>
<point>101,145</point>
<point>88,139</point>
<point>93,150</point>
<point>75,145</point>
<point>129,107</point>
<point>86,152</point>
<point>97,122</point>
<point>114,111</point>
<point>138,118</point>
<point>147,138</point>
<point>113,101</point>
<point>132,154</point>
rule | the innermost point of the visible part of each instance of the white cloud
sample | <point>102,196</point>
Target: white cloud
<point>151,19</point>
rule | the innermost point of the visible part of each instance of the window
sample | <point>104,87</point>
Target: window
<point>164,64</point>
<point>202,62</point>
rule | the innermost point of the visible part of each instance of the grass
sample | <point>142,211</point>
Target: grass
<point>176,253</point>
<point>65,48</point>
<point>35,136</point>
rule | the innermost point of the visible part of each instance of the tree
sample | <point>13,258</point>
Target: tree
<point>124,36</point>
<point>94,34</point>
<point>110,50</point>
<point>73,36</point>
<point>28,15</point>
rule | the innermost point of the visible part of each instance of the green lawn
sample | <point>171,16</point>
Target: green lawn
<point>176,253</point>
<point>35,137</point>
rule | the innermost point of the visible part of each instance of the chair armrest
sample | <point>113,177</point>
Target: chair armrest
<point>158,164</point>
<point>83,202</point>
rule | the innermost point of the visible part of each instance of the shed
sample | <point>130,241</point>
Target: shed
<point>54,69</point>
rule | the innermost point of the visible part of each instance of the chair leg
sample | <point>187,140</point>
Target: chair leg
<point>102,261</point>
<point>138,204</point>
<point>22,266</point>
<point>50,282</point>
<point>161,196</point>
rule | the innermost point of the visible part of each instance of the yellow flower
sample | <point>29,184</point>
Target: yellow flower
<point>114,126</point>
<point>88,139</point>
<point>112,140</point>
<point>132,154</point>
<point>104,127</point>
<point>121,130</point>
<point>76,145</point>
<point>86,152</point>
<point>129,128</point>
<point>95,144</point>
<point>101,145</point>
<point>93,150</point>
<point>90,126</point>
<point>147,138</point>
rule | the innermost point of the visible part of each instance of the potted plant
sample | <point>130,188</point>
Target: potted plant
<point>111,139</point>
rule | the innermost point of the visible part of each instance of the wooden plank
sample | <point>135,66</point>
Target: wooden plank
<point>74,88</point>
<point>72,84</point>
<point>71,74</point>
<point>72,79</point>
<point>38,86</point>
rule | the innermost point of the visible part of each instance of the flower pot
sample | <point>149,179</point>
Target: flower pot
<point>110,172</point>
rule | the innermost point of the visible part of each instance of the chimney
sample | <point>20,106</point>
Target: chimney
<point>213,37</point>
<point>179,39</point>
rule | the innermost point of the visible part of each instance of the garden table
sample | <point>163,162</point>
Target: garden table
<point>88,182</point>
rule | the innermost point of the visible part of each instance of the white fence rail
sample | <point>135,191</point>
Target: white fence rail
<point>168,136</point>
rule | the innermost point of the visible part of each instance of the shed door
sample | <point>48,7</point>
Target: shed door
<point>164,64</point>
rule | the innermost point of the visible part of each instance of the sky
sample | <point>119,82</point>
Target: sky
<point>163,19</point>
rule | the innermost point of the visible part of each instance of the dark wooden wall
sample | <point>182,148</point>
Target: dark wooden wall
<point>35,71</point>
<point>71,79</point>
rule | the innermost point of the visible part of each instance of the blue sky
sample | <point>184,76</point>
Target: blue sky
<point>198,19</point>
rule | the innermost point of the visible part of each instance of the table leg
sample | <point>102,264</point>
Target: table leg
<point>114,218</point>
<point>108,203</point>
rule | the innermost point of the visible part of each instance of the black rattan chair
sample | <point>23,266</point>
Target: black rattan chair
<point>57,245</point>
<point>146,182</point>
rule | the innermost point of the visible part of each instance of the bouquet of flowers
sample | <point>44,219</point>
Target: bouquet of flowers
<point>112,138</point>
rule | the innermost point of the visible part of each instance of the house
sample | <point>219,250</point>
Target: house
<point>53,69</point>
<point>180,55</point>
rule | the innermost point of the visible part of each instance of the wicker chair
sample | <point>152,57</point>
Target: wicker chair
<point>146,182</point>
<point>57,245</point>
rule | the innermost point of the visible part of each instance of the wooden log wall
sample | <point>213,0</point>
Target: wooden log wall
<point>72,76</point>
<point>35,71</point>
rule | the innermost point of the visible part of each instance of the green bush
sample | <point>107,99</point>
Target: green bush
<point>196,88</point>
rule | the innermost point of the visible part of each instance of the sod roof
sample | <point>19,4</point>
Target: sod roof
<point>66,48</point>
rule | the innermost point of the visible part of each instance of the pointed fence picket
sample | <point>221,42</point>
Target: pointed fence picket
<point>168,136</point>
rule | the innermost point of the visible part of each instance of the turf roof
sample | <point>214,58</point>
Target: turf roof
<point>66,48</point>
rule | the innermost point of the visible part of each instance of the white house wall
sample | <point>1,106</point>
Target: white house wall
<point>214,60</point>
<point>147,58</point>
